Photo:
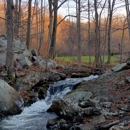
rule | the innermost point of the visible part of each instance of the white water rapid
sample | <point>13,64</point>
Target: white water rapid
<point>35,116</point>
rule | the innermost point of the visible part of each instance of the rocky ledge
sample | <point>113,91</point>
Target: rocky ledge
<point>100,104</point>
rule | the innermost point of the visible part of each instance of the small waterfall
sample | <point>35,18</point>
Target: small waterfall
<point>35,116</point>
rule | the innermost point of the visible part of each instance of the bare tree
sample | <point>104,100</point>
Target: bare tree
<point>50,27</point>
<point>9,26</point>
<point>127,3</point>
<point>54,30</point>
<point>97,44</point>
<point>17,17</point>
<point>53,8</point>
<point>42,26</point>
<point>78,33</point>
<point>122,38</point>
<point>28,24</point>
<point>110,11</point>
<point>89,36</point>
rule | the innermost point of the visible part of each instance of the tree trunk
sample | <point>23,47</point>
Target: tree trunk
<point>97,45</point>
<point>78,35</point>
<point>49,27</point>
<point>128,14</point>
<point>9,26</point>
<point>37,25</point>
<point>54,31</point>
<point>42,27</point>
<point>89,27</point>
<point>122,38</point>
<point>16,20</point>
<point>28,24</point>
<point>110,10</point>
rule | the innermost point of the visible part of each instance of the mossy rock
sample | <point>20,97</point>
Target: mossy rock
<point>43,90</point>
<point>86,74</point>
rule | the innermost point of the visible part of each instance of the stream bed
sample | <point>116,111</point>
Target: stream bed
<point>35,116</point>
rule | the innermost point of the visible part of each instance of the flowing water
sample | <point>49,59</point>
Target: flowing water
<point>35,116</point>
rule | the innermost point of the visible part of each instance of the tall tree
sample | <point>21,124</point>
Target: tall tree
<point>49,27</point>
<point>127,3</point>
<point>54,30</point>
<point>53,8</point>
<point>17,17</point>
<point>89,36</point>
<point>9,26</point>
<point>28,24</point>
<point>97,44</point>
<point>42,26</point>
<point>110,14</point>
<point>78,33</point>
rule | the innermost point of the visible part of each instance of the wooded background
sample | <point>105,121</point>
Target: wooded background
<point>38,24</point>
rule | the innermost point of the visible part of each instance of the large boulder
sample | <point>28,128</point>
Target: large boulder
<point>28,81</point>
<point>10,101</point>
<point>21,53</point>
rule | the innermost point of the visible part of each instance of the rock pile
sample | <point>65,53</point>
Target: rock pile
<point>100,104</point>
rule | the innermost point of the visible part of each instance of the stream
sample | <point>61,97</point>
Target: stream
<point>35,116</point>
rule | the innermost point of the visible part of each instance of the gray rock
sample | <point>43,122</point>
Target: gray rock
<point>3,43</point>
<point>127,100</point>
<point>90,111</point>
<point>124,107</point>
<point>19,46</point>
<point>29,80</point>
<point>25,62</point>
<point>118,127</point>
<point>107,126</point>
<point>109,112</point>
<point>85,104</point>
<point>52,122</point>
<point>20,52</point>
<point>62,76</point>
<point>54,77</point>
<point>106,104</point>
<point>76,127</point>
<point>27,53</point>
<point>89,126</point>
<point>121,83</point>
<point>98,120</point>
<point>51,64</point>
<point>78,96</point>
<point>10,101</point>
<point>3,36</point>
<point>120,67</point>
<point>2,59</point>
<point>128,79</point>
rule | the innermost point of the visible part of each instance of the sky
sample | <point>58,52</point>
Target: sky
<point>72,9</point>
<point>64,10</point>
